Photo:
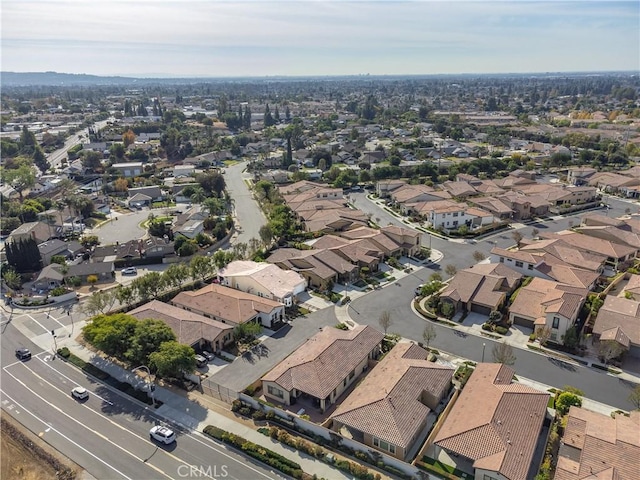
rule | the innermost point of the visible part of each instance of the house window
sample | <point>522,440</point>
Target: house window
<point>529,266</point>
<point>352,374</point>
<point>519,263</point>
<point>382,445</point>
<point>556,322</point>
<point>344,382</point>
<point>276,392</point>
<point>501,259</point>
<point>488,477</point>
<point>455,214</point>
<point>455,223</point>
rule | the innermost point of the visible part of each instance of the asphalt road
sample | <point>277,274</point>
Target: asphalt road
<point>125,228</point>
<point>397,300</point>
<point>108,434</point>
<point>250,217</point>
<point>55,158</point>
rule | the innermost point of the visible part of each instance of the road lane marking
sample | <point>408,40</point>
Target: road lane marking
<point>41,326</point>
<point>45,361</point>
<point>56,320</point>
<point>69,440</point>
<point>95,432</point>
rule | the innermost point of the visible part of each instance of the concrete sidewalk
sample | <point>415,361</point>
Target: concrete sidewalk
<point>194,411</point>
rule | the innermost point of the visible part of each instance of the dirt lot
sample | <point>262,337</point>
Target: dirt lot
<point>27,457</point>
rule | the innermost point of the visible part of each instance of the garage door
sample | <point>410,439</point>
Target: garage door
<point>523,322</point>
<point>480,309</point>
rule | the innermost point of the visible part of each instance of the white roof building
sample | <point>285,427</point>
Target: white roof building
<point>263,279</point>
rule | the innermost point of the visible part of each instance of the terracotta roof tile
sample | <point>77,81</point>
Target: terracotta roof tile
<point>319,365</point>
<point>495,423</point>
<point>387,404</point>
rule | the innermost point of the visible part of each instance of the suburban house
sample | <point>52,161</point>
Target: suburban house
<point>612,234</point>
<point>460,190</point>
<point>515,180</point>
<point>385,187</point>
<point>321,369</point>
<point>611,182</point>
<point>615,253</point>
<point>496,207</point>
<point>333,220</point>
<point>597,446</point>
<point>492,430</point>
<point>51,248</point>
<point>580,175</point>
<point>408,239</point>
<point>619,320</point>
<point>450,215</point>
<point>191,329</point>
<point>38,231</point>
<point>383,242</point>
<point>142,248</point>
<point>263,279</point>
<point>230,306</point>
<point>525,206</point>
<point>545,303</point>
<point>190,228</point>
<point>144,195</point>
<point>411,194</point>
<point>360,252</point>
<point>321,268</point>
<point>562,198</point>
<point>129,169</point>
<point>552,264</point>
<point>482,288</point>
<point>52,275</point>
<point>398,402</point>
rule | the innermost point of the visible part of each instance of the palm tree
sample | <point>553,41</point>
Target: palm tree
<point>198,195</point>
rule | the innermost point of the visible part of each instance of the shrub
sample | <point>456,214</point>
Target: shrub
<point>235,406</point>
<point>502,330</point>
<point>341,326</point>
<point>58,291</point>
<point>258,415</point>
<point>64,352</point>
<point>487,327</point>
<point>246,411</point>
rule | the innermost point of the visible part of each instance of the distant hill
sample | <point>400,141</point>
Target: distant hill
<point>16,79</point>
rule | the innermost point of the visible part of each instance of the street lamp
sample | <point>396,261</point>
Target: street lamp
<point>483,345</point>
<point>149,381</point>
<point>55,343</point>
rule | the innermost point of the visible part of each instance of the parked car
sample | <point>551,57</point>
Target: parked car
<point>130,271</point>
<point>418,290</point>
<point>23,353</point>
<point>80,393</point>
<point>200,361</point>
<point>208,355</point>
<point>162,434</point>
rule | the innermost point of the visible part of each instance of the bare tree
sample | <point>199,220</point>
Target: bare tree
<point>428,334</point>
<point>503,353</point>
<point>100,302</point>
<point>450,270</point>
<point>385,321</point>
<point>543,334</point>
<point>517,237</point>
<point>608,350</point>
<point>634,397</point>
<point>478,256</point>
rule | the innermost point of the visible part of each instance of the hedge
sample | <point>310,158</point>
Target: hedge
<point>258,452</point>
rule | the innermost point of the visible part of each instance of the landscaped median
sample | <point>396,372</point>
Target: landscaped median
<point>260,453</point>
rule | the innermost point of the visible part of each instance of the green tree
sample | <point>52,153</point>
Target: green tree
<point>176,274</point>
<point>110,333</point>
<point>173,360</point>
<point>565,401</point>
<point>214,206</point>
<point>450,270</point>
<point>268,118</point>
<point>266,234</point>
<point>147,337</point>
<point>40,159</point>
<point>571,338</point>
<point>12,279</point>
<point>23,255</point>
<point>21,178</point>
<point>246,332</point>
<point>201,267</point>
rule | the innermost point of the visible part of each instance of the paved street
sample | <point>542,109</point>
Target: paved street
<point>125,228</point>
<point>248,213</point>
<point>108,434</point>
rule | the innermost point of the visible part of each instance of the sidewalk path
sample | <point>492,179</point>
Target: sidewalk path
<point>194,411</point>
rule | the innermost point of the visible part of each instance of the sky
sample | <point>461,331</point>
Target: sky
<point>193,38</point>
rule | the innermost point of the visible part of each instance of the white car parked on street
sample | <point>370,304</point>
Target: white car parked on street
<point>162,434</point>
<point>80,393</point>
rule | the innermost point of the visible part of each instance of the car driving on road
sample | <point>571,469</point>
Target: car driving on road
<point>129,271</point>
<point>23,353</point>
<point>162,434</point>
<point>79,393</point>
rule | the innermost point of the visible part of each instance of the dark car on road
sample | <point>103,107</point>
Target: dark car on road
<point>23,353</point>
